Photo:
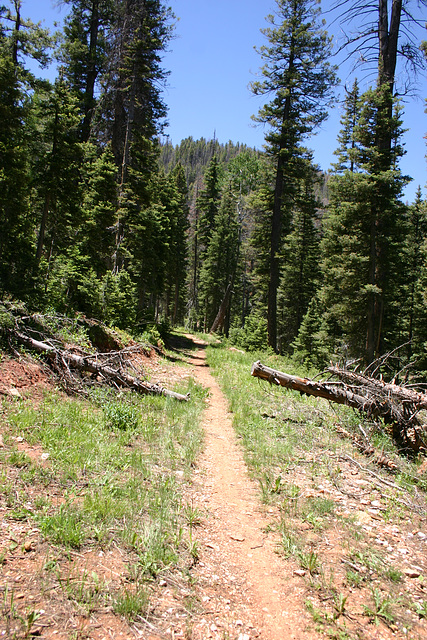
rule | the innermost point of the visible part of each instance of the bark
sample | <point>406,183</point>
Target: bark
<point>313,388</point>
<point>92,71</point>
<point>90,364</point>
<point>220,317</point>
<point>394,404</point>
<point>395,392</point>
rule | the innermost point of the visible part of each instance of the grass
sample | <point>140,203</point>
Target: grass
<point>115,480</point>
<point>116,464</point>
<point>291,447</point>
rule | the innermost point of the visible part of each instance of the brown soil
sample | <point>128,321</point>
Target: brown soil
<point>239,560</point>
<point>241,587</point>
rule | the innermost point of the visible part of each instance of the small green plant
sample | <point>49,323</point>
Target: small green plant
<point>64,527</point>
<point>29,620</point>
<point>354,578</point>
<point>291,494</point>
<point>19,459</point>
<point>193,515</point>
<point>381,609</point>
<point>120,416</point>
<point>85,589</point>
<point>309,560</point>
<point>340,601</point>
<point>289,543</point>
<point>393,574</point>
<point>131,604</point>
<point>421,609</point>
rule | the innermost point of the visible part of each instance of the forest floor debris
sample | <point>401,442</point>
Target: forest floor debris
<point>350,563</point>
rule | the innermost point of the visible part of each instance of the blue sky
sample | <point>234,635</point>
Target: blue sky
<point>211,62</point>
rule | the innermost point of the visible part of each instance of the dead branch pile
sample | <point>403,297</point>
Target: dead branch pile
<point>398,406</point>
<point>114,368</point>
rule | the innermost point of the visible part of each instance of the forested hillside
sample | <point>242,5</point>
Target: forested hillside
<point>101,216</point>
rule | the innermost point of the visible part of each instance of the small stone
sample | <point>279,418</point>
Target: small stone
<point>1,441</point>
<point>163,583</point>
<point>213,627</point>
<point>28,545</point>
<point>412,573</point>
<point>239,623</point>
<point>44,456</point>
<point>421,535</point>
<point>300,572</point>
<point>19,439</point>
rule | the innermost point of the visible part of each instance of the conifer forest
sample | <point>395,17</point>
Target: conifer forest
<point>101,215</point>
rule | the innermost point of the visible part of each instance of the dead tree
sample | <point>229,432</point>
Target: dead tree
<point>218,323</point>
<point>396,405</point>
<point>91,364</point>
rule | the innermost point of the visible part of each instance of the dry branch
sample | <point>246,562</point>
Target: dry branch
<point>90,364</point>
<point>396,405</point>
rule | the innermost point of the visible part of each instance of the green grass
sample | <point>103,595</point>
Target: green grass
<point>113,460</point>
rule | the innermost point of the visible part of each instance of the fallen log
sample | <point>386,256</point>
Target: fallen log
<point>314,388</point>
<point>89,363</point>
<point>406,396</point>
<point>406,428</point>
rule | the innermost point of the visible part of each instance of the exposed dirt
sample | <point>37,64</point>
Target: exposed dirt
<point>241,587</point>
<point>239,565</point>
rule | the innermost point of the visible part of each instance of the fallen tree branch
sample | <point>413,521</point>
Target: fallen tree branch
<point>399,409</point>
<point>89,363</point>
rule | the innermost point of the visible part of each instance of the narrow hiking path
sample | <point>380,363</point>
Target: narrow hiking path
<point>239,568</point>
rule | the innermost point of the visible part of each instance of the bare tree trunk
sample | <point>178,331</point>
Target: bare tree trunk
<point>90,364</point>
<point>398,408</point>
<point>220,317</point>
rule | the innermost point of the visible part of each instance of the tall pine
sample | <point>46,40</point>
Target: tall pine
<point>299,77</point>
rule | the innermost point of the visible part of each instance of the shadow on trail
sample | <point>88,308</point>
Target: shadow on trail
<point>183,346</point>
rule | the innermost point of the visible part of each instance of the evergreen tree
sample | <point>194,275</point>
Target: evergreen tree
<point>20,39</point>
<point>299,76</point>
<point>16,242</point>
<point>84,52</point>
<point>300,272</point>
<point>206,207</point>
<point>56,160</point>
<point>177,263</point>
<point>220,259</point>
<point>363,235</point>
<point>414,254</point>
<point>348,151</point>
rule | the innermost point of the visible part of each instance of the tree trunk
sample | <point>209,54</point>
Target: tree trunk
<point>91,71</point>
<point>90,364</point>
<point>399,408</point>
<point>218,323</point>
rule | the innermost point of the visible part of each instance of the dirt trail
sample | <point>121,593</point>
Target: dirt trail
<point>235,550</point>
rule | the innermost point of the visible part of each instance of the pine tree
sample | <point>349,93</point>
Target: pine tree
<point>56,160</point>
<point>206,208</point>
<point>16,247</point>
<point>300,272</point>
<point>84,52</point>
<point>20,39</point>
<point>363,235</point>
<point>220,259</point>
<point>414,253</point>
<point>299,76</point>
<point>348,151</point>
<point>178,251</point>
